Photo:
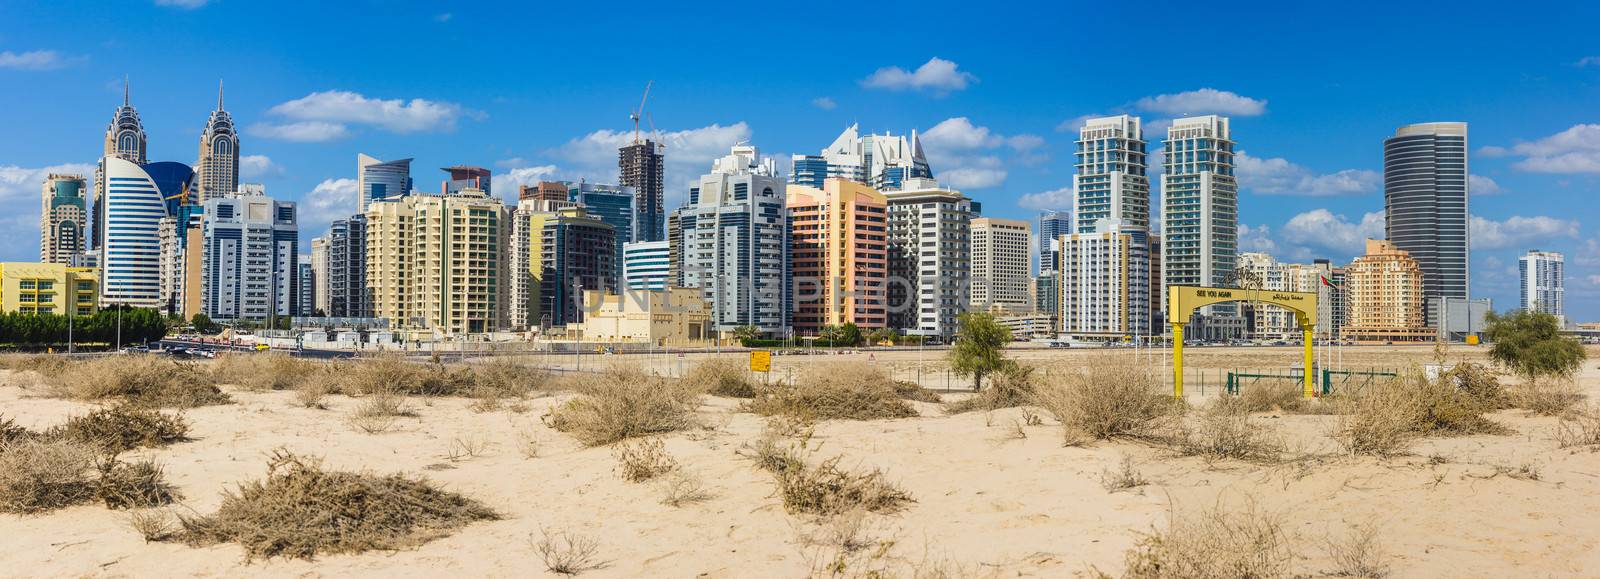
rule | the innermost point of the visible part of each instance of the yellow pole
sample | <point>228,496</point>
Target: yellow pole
<point>1310,379</point>
<point>1177,360</point>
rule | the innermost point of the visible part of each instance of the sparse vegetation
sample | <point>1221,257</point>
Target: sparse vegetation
<point>681,487</point>
<point>1273,396</point>
<point>1108,398</point>
<point>378,411</point>
<point>140,379</point>
<point>1215,543</point>
<point>1580,428</point>
<point>153,524</point>
<point>1530,344</point>
<point>625,402</point>
<point>1009,388</point>
<point>1545,397</point>
<point>301,510</point>
<point>133,485</point>
<point>726,377</point>
<point>834,391</point>
<point>1359,553</point>
<point>40,475</point>
<point>1126,476</point>
<point>123,428</point>
<point>1224,431</point>
<point>264,371</point>
<point>1387,415</point>
<point>568,553</point>
<point>466,446</point>
<point>643,459</point>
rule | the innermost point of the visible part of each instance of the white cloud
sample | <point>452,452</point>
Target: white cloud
<point>443,17</point>
<point>1322,229</point>
<point>184,4</point>
<point>1257,239</point>
<point>507,184</point>
<point>1202,102</point>
<point>956,134</point>
<point>37,60</point>
<point>1073,124</point>
<point>329,200</point>
<point>19,190</point>
<point>1024,143</point>
<point>1518,230</point>
<point>1278,176</point>
<point>302,132</point>
<point>1481,185</point>
<point>962,154</point>
<point>973,177</point>
<point>257,166</point>
<point>1593,280</point>
<point>1589,61</point>
<point>338,108</point>
<point>1589,254</point>
<point>938,76</point>
<point>1052,200</point>
<point>1575,150</point>
<point>824,103</point>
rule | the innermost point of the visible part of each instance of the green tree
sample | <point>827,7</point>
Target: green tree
<point>978,348</point>
<point>1530,344</point>
<point>202,323</point>
<point>828,333</point>
<point>746,333</point>
<point>849,334</point>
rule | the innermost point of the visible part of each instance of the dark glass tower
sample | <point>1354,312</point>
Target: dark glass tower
<point>1425,205</point>
<point>641,169</point>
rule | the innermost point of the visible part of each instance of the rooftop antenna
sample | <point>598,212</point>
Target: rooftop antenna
<point>639,113</point>
<point>124,90</point>
<point>219,94</point>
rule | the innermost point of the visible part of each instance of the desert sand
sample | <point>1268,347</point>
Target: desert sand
<point>988,503</point>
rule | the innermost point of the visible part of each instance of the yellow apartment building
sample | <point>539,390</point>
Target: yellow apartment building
<point>48,288</point>
<point>839,254</point>
<point>1385,296</point>
<point>435,262</point>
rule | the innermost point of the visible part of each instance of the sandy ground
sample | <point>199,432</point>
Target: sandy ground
<point>987,503</point>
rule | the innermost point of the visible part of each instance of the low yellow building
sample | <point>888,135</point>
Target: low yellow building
<point>48,288</point>
<point>672,317</point>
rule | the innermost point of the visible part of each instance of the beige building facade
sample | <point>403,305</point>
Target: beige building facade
<point>672,317</point>
<point>1001,265</point>
<point>436,264</point>
<point>1386,300</point>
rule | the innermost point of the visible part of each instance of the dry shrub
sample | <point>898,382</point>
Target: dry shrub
<point>642,460</point>
<point>378,411</point>
<point>263,371</point>
<point>1385,416</point>
<point>1579,428</point>
<point>1548,397</point>
<point>726,377</point>
<point>301,510</point>
<point>1359,553</point>
<point>141,379</point>
<point>913,391</point>
<point>41,363</point>
<point>624,402</point>
<point>11,432</point>
<point>1110,397</point>
<point>153,524</point>
<point>568,553</point>
<point>122,428</point>
<point>1274,396</point>
<point>1215,543</point>
<point>465,447</point>
<point>1479,382</point>
<point>680,488</point>
<point>826,489</point>
<point>311,392</point>
<point>529,443</point>
<point>1007,389</point>
<point>39,475</point>
<point>133,485</point>
<point>840,390</point>
<point>1225,432</point>
<point>1126,476</point>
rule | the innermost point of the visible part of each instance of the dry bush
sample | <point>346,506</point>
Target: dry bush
<point>1359,553</point>
<point>826,489</point>
<point>624,402</point>
<point>1225,432</point>
<point>1548,397</point>
<point>1385,416</point>
<point>133,485</point>
<point>301,510</point>
<point>840,390</point>
<point>153,524</point>
<point>643,459</point>
<point>1007,389</point>
<point>1273,396</point>
<point>771,453</point>
<point>726,377</point>
<point>467,446</point>
<point>38,475</point>
<point>1108,398</point>
<point>263,371</point>
<point>1215,543</point>
<point>1126,476</point>
<point>11,432</point>
<point>913,391</point>
<point>680,488</point>
<point>529,444</point>
<point>122,428</point>
<point>1480,382</point>
<point>41,363</point>
<point>379,410</point>
<point>311,392</point>
<point>142,379</point>
<point>568,553</point>
<point>1579,428</point>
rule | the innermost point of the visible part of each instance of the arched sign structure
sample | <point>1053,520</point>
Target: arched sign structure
<point>1183,300</point>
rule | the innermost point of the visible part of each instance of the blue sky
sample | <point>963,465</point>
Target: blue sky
<point>543,90</point>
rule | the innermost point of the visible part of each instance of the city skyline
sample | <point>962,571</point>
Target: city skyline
<point>994,126</point>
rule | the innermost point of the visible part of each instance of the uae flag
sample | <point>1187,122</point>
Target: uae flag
<point>1328,282</point>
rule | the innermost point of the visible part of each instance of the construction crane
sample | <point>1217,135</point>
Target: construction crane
<point>639,113</point>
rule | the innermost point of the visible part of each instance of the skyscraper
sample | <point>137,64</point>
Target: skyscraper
<point>1544,285</point>
<point>613,204</point>
<point>251,265</point>
<point>131,254</point>
<point>217,171</point>
<point>645,265</point>
<point>573,260</point>
<point>735,243</point>
<point>1385,299</point>
<point>378,180</point>
<point>1425,204</point>
<point>930,264</point>
<point>62,216</point>
<point>436,263</point>
<point>883,162</point>
<point>641,165</point>
<point>348,296</point>
<point>1052,225</point>
<point>1200,217</point>
<point>1111,182</point>
<point>1000,265</point>
<point>839,255</point>
<point>465,177</point>
<point>125,139</point>
<point>319,275</point>
<point>308,287</point>
<point>1104,277</point>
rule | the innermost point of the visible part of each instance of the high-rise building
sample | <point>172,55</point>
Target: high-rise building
<point>378,180</point>
<point>613,204</point>
<point>646,265</point>
<point>1200,217</point>
<point>308,287</point>
<point>182,248</point>
<point>641,167</point>
<point>465,177</point>
<point>675,248</point>
<point>319,275</point>
<point>574,257</point>
<point>131,254</point>
<point>1105,282</point>
<point>437,263</point>
<point>1111,182</point>
<point>1000,265</point>
<point>1425,212</point>
<point>1270,322</point>
<point>1386,300</point>
<point>1544,285</point>
<point>930,261</point>
<point>48,288</point>
<point>543,191</point>
<point>883,162</point>
<point>250,268</point>
<point>1047,292</point>
<point>1158,295</point>
<point>217,171</point>
<point>839,247</point>
<point>735,243</point>
<point>1052,225</point>
<point>348,295</point>
<point>125,139</point>
<point>62,216</point>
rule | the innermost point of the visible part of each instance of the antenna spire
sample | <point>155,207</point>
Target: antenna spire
<point>124,90</point>
<point>219,94</point>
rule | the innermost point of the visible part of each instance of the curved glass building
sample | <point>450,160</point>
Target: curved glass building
<point>131,257</point>
<point>1425,205</point>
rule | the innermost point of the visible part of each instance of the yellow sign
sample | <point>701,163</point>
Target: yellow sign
<point>761,361</point>
<point>1472,340</point>
<point>1182,301</point>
